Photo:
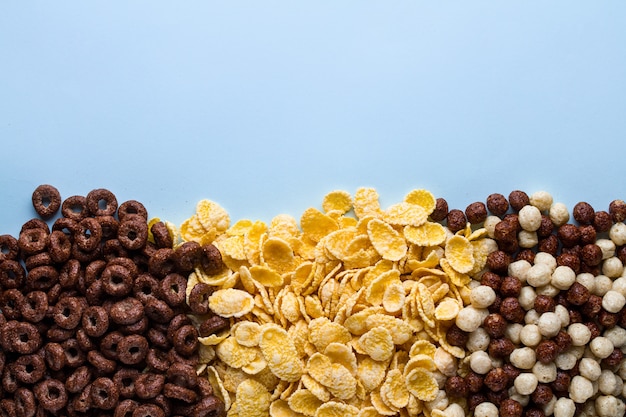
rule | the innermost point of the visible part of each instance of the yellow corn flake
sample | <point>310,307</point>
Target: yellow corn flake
<point>278,255</point>
<point>343,355</point>
<point>447,309</point>
<point>284,226</point>
<point>303,401</point>
<point>338,242</point>
<point>405,214</point>
<point>256,365</point>
<point>212,215</point>
<point>427,234</point>
<point>460,254</point>
<point>247,333</point>
<point>265,276</point>
<point>421,361</point>
<point>387,241</point>
<point>240,228</point>
<point>422,198</point>
<point>232,247</point>
<point>375,292</point>
<point>290,307</point>
<point>214,339</point>
<point>233,354</point>
<point>336,409</point>
<point>338,200</point>
<point>393,297</point>
<point>393,391</point>
<point>422,384</point>
<point>426,305</point>
<point>400,331</point>
<point>315,388</point>
<point>377,343</point>
<point>218,386</point>
<point>371,373</point>
<point>368,412</point>
<point>455,277</point>
<point>380,406</point>
<point>280,408</point>
<point>315,224</point>
<point>280,353</point>
<point>357,323</point>
<point>366,203</point>
<point>422,347</point>
<point>253,399</point>
<point>323,332</point>
<point>231,302</point>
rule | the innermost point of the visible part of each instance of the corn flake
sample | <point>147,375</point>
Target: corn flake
<point>336,409</point>
<point>338,200</point>
<point>393,391</point>
<point>422,198</point>
<point>280,353</point>
<point>405,214</point>
<point>303,401</point>
<point>315,224</point>
<point>427,234</point>
<point>366,203</point>
<point>422,384</point>
<point>460,254</point>
<point>387,241</point>
<point>377,343</point>
<point>253,399</point>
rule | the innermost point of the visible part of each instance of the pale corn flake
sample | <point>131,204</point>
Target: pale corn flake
<point>427,234</point>
<point>460,254</point>
<point>304,402</point>
<point>422,198</point>
<point>278,255</point>
<point>253,399</point>
<point>280,353</point>
<point>231,302</point>
<point>315,224</point>
<point>405,214</point>
<point>366,203</point>
<point>386,240</point>
<point>337,200</point>
<point>212,215</point>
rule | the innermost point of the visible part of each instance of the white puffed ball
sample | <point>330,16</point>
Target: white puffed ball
<point>607,382</point>
<point>538,275</point>
<point>480,362</point>
<point>601,285</point>
<point>527,239</point>
<point>563,277</point>
<point>609,406</point>
<point>613,301</point>
<point>482,296</point>
<point>564,407</point>
<point>601,347</point>
<point>612,267</point>
<point>559,214</point>
<point>580,389</point>
<point>545,372</point>
<point>619,285</point>
<point>531,317</point>
<point>547,259</point>
<point>529,218</point>
<point>478,340</point>
<point>566,361</point>
<point>525,383</point>
<point>589,368</point>
<point>523,358</point>
<point>518,269</point>
<point>513,331</point>
<point>607,246</point>
<point>587,280</point>
<point>563,314</point>
<point>549,324</point>
<point>454,410</point>
<point>486,409</point>
<point>617,336</point>
<point>548,290</point>
<point>469,319</point>
<point>530,335</point>
<point>527,297</point>
<point>617,233</point>
<point>542,200</point>
<point>445,362</point>
<point>579,333</point>
<point>490,225</point>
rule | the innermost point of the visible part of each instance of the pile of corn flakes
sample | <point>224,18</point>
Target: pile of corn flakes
<point>340,313</point>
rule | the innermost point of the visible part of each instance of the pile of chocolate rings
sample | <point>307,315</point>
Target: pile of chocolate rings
<point>94,319</point>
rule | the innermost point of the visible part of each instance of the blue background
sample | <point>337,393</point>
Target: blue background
<point>265,106</point>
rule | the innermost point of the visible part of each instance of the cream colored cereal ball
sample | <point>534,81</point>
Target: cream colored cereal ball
<point>486,409</point>
<point>525,383</point>
<point>566,361</point>
<point>445,362</point>
<point>527,240</point>
<point>545,372</point>
<point>587,280</point>
<point>580,389</point>
<point>578,351</point>
<point>454,410</point>
<point>480,362</point>
<point>482,296</point>
<point>613,301</point>
<point>559,214</point>
<point>612,267</point>
<point>478,340</point>
<point>518,269</point>
<point>531,317</point>
<point>527,297</point>
<point>589,368</point>
<point>523,357</point>
<point>601,347</point>
<point>440,378</point>
<point>609,406</point>
<point>546,259</point>
<point>541,199</point>
<point>522,399</point>
<point>469,319</point>
<point>549,324</point>
<point>619,285</point>
<point>490,225</point>
<point>538,275</point>
<point>563,277</point>
<point>529,218</point>
<point>564,407</point>
<point>548,409</point>
<point>563,314</point>
<point>607,246</point>
<point>579,333</point>
<point>617,233</point>
<point>607,382</point>
<point>548,290</point>
<point>619,386</point>
<point>530,335</point>
<point>440,402</point>
<point>601,285</point>
<point>513,332</point>
<point>617,336</point>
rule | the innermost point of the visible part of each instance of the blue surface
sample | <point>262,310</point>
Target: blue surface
<point>265,106</point>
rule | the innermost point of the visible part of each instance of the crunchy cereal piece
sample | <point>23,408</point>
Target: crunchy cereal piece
<point>247,333</point>
<point>266,276</point>
<point>315,388</point>
<point>423,198</point>
<point>460,254</point>
<point>231,302</point>
<point>303,401</point>
<point>426,234</point>
<point>394,297</point>
<point>371,372</point>
<point>280,353</point>
<point>400,330</point>
<point>380,405</point>
<point>336,409</point>
<point>387,241</point>
<point>323,332</point>
<point>393,391</point>
<point>278,255</point>
<point>342,354</point>
<point>218,386</point>
<point>377,343</point>
<point>422,384</point>
<point>447,309</point>
<point>405,214</point>
<point>366,203</point>
<point>315,224</point>
<point>280,408</point>
<point>252,399</point>
<point>212,215</point>
<point>337,200</point>
<point>233,354</point>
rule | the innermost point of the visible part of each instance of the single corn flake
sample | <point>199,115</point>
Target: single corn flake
<point>278,255</point>
<point>253,399</point>
<point>393,297</point>
<point>315,224</point>
<point>303,401</point>
<point>212,215</point>
<point>231,302</point>
<point>427,234</point>
<point>315,388</point>
<point>323,332</point>
<point>460,253</point>
<point>366,203</point>
<point>387,241</point>
<point>247,333</point>
<point>405,214</point>
<point>280,353</point>
<point>422,384</point>
<point>377,343</point>
<point>280,408</point>
<point>422,198</point>
<point>337,200</point>
<point>400,330</point>
<point>343,355</point>
<point>371,372</point>
<point>394,390</point>
<point>266,276</point>
<point>337,409</point>
<point>422,347</point>
<point>447,309</point>
<point>218,386</point>
<point>233,354</point>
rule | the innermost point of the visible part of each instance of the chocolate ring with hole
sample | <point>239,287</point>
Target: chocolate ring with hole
<point>75,208</point>
<point>51,394</point>
<point>89,234</point>
<point>133,234</point>
<point>9,248</point>
<point>132,349</point>
<point>46,200</point>
<point>104,394</point>
<point>101,202</point>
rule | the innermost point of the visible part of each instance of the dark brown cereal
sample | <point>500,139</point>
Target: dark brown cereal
<point>474,382</point>
<point>547,351</point>
<point>549,245</point>
<point>185,340</point>
<point>74,356</point>
<point>563,341</point>
<point>602,221</point>
<point>7,408</point>
<point>199,298</point>
<point>42,278</point>
<point>149,385</point>
<point>526,255</point>
<point>25,404</point>
<point>211,261</point>
<point>475,399</point>
<point>621,254</point>
<point>54,356</point>
<point>101,363</point>
<point>161,235</point>
<point>29,369</point>
<point>12,274</point>
<point>132,234</point>
<point>127,311</point>
<point>495,325</point>
<point>441,210</point>
<point>570,260</point>
<point>9,248</point>
<point>588,235</point>
<point>500,348</point>
<point>145,287</point>
<point>456,220</point>
<point>505,232</point>
<point>157,360</point>
<point>117,280</point>
<point>95,321</point>
<point>546,227</point>
<point>607,320</point>
<point>131,207</point>
<point>139,327</point>
<point>85,342</point>
<point>32,241</point>
<point>544,304</point>
<point>511,310</point>
<point>149,410</point>
<point>24,338</point>
<point>495,306</point>
<point>173,289</point>
<point>101,202</point>
<point>614,359</point>
<point>214,324</point>
<point>125,408</point>
<point>511,408</point>
<point>132,349</point>
<point>594,328</point>
<point>496,379</point>
<point>511,287</point>
<point>569,235</point>
<point>104,394</point>
<point>112,248</point>
<point>65,225</point>
<point>511,371</point>
<point>617,209</point>
<point>476,212</point>
<point>71,274</point>
<point>561,382</point>
<point>591,254</point>
<point>542,395</point>
<point>187,256</point>
<point>34,306</point>
<point>583,213</point>
<point>498,262</point>
<point>10,303</point>
<point>497,204</point>
<point>518,199</point>
<point>74,208</point>
<point>67,313</point>
<point>46,200</point>
<point>158,311</point>
<point>180,393</point>
<point>492,280</point>
<point>124,379</point>
<point>89,234</point>
<point>577,294</point>
<point>456,386</point>
<point>534,412</point>
<point>60,247</point>
<point>162,263</point>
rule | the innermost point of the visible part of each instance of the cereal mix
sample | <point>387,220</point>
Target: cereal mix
<point>512,307</point>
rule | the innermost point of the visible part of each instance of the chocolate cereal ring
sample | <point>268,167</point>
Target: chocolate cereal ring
<point>101,202</point>
<point>89,234</point>
<point>109,344</point>
<point>148,385</point>
<point>85,343</point>
<point>139,327</point>
<point>104,394</point>
<point>54,355</point>
<point>157,360</point>
<point>187,256</point>
<point>162,263</point>
<point>60,247</point>
<point>125,408</point>
<point>32,241</point>
<point>148,410</point>
<point>102,364</point>
<point>8,248</point>
<point>12,274</point>
<point>117,280</point>
<point>145,287</point>
<point>58,334</point>
<point>133,234</point>
<point>85,256</point>
<point>158,311</point>
<point>81,403</point>
<point>186,340</point>
<point>34,306</point>
<point>29,368</point>
<point>213,325</point>
<point>126,263</point>
<point>42,278</point>
<point>67,312</point>
<point>124,379</point>
<point>24,338</point>
<point>131,207</point>
<point>211,261</point>
<point>74,356</point>
<point>35,223</point>
<point>177,322</point>
<point>78,380</point>
<point>39,259</point>
<point>161,235</point>
<point>7,408</point>
<point>65,225</point>
<point>112,248</point>
<point>93,271</point>
<point>126,311</point>
<point>46,200</point>
<point>25,404</point>
<point>95,321</point>
<point>132,349</point>
<point>199,298</point>
<point>182,375</point>
<point>9,379</point>
<point>173,289</point>
<point>71,274</point>
<point>75,208</point>
<point>51,394</point>
<point>10,302</point>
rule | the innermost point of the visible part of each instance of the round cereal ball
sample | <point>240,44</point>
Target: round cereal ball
<point>530,218</point>
<point>559,214</point>
<point>579,333</point>
<point>469,319</point>
<point>613,301</point>
<point>482,296</point>
<point>549,324</point>
<point>609,406</point>
<point>480,362</point>
<point>541,199</point>
<point>525,383</point>
<point>564,407</point>
<point>601,347</point>
<point>581,389</point>
<point>486,409</point>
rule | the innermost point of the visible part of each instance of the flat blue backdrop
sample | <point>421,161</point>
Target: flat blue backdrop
<point>265,106</point>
